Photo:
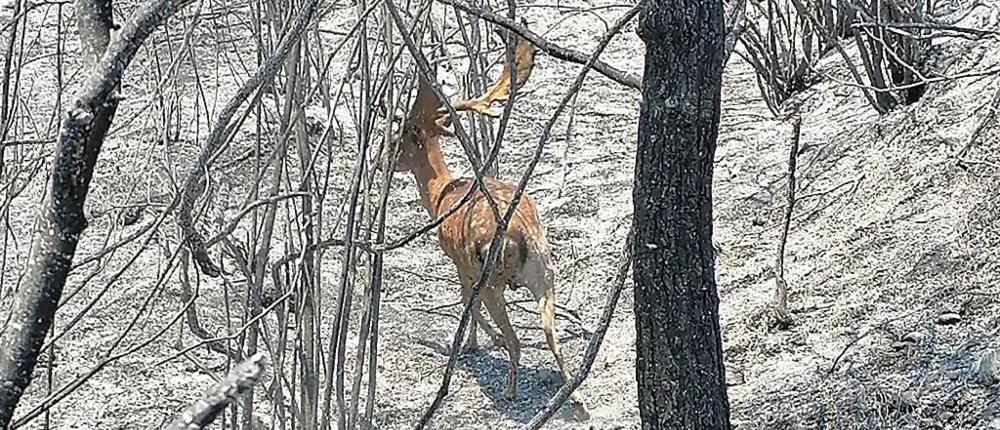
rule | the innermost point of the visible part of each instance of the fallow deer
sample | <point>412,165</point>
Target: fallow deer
<point>525,258</point>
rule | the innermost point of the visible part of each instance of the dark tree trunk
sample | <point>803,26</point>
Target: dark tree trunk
<point>61,219</point>
<point>678,345</point>
<point>61,222</point>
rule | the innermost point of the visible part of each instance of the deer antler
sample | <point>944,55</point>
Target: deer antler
<point>499,91</point>
<point>429,115</point>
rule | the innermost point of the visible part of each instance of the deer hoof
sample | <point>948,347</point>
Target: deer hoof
<point>498,341</point>
<point>470,347</point>
<point>580,412</point>
<point>511,391</point>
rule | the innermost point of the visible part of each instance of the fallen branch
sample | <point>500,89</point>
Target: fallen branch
<point>965,162</point>
<point>240,380</point>
<point>954,31</point>
<point>829,190</point>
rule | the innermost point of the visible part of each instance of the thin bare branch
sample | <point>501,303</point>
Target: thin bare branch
<point>988,118</point>
<point>780,303</point>
<point>194,185</point>
<point>562,53</point>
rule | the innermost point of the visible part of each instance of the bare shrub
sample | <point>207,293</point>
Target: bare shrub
<point>892,38</point>
<point>782,46</point>
<point>784,41</point>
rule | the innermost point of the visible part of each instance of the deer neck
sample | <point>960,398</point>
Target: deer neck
<point>432,176</point>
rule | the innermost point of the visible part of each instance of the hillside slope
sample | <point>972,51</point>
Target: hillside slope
<point>888,234</point>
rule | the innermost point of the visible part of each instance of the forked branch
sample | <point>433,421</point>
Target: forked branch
<point>194,184</point>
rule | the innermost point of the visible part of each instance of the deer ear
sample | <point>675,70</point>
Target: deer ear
<point>426,104</point>
<point>441,125</point>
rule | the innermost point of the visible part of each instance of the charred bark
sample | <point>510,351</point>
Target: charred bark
<point>679,365</point>
<point>61,220</point>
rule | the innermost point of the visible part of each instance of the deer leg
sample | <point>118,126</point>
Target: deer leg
<point>547,311</point>
<point>497,306</point>
<point>478,319</point>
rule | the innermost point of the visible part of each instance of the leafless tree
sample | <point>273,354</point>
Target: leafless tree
<point>785,40</point>
<point>676,301</point>
<point>61,219</point>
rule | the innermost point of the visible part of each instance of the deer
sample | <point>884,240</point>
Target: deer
<point>525,259</point>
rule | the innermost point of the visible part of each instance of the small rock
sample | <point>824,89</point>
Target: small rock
<point>988,372</point>
<point>798,340</point>
<point>900,345</point>
<point>948,318</point>
<point>914,337</point>
<point>951,403</point>
<point>131,215</point>
<point>910,339</point>
<point>956,374</point>
<point>908,398</point>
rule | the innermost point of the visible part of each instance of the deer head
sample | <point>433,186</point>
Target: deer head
<point>421,129</point>
<point>428,119</point>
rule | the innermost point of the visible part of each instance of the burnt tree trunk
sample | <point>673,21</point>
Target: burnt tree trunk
<point>679,365</point>
<point>60,218</point>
